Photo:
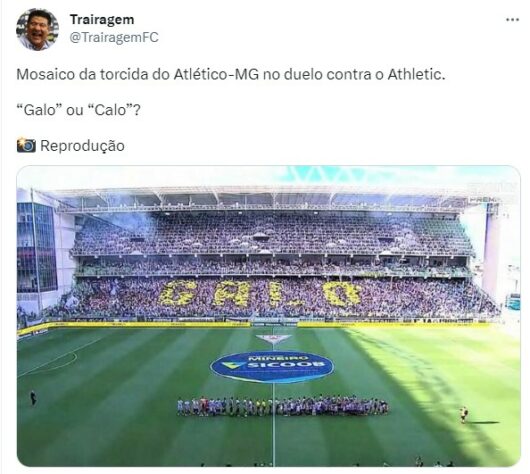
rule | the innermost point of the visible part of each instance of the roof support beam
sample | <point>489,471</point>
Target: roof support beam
<point>160,196</point>
<point>216,196</point>
<point>102,197</point>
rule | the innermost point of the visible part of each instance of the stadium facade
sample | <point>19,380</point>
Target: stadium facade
<point>45,269</point>
<point>75,245</point>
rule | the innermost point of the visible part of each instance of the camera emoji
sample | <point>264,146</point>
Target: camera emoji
<point>26,145</point>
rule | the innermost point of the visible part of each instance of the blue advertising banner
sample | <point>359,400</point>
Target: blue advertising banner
<point>273,366</point>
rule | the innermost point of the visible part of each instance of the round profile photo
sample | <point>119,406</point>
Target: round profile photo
<point>37,29</point>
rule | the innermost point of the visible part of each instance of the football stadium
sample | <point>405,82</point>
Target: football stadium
<point>285,324</point>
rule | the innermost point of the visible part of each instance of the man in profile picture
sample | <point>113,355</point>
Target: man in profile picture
<point>37,31</point>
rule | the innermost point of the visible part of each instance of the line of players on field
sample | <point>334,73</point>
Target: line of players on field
<point>322,405</point>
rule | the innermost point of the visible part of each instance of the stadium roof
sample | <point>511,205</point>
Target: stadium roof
<point>455,196</point>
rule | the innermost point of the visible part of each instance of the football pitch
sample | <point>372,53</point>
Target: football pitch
<point>107,397</point>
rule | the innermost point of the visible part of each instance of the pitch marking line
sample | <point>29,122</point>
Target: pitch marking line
<point>59,357</point>
<point>55,368</point>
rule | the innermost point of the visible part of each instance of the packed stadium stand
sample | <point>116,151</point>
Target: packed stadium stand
<point>285,233</point>
<point>247,253</point>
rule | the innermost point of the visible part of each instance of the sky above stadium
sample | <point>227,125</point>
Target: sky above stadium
<point>47,178</point>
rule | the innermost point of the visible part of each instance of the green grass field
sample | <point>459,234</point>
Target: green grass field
<point>106,397</point>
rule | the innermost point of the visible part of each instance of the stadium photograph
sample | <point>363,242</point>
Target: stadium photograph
<point>283,316</point>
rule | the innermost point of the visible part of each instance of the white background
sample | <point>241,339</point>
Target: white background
<point>478,115</point>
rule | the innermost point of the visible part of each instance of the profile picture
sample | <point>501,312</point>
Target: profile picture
<point>37,29</point>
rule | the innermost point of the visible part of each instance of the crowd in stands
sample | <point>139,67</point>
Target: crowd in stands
<point>334,405</point>
<point>154,298</point>
<point>323,265</point>
<point>272,233</point>
<point>171,267</point>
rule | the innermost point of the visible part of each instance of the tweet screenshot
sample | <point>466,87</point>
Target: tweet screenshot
<point>281,234</point>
